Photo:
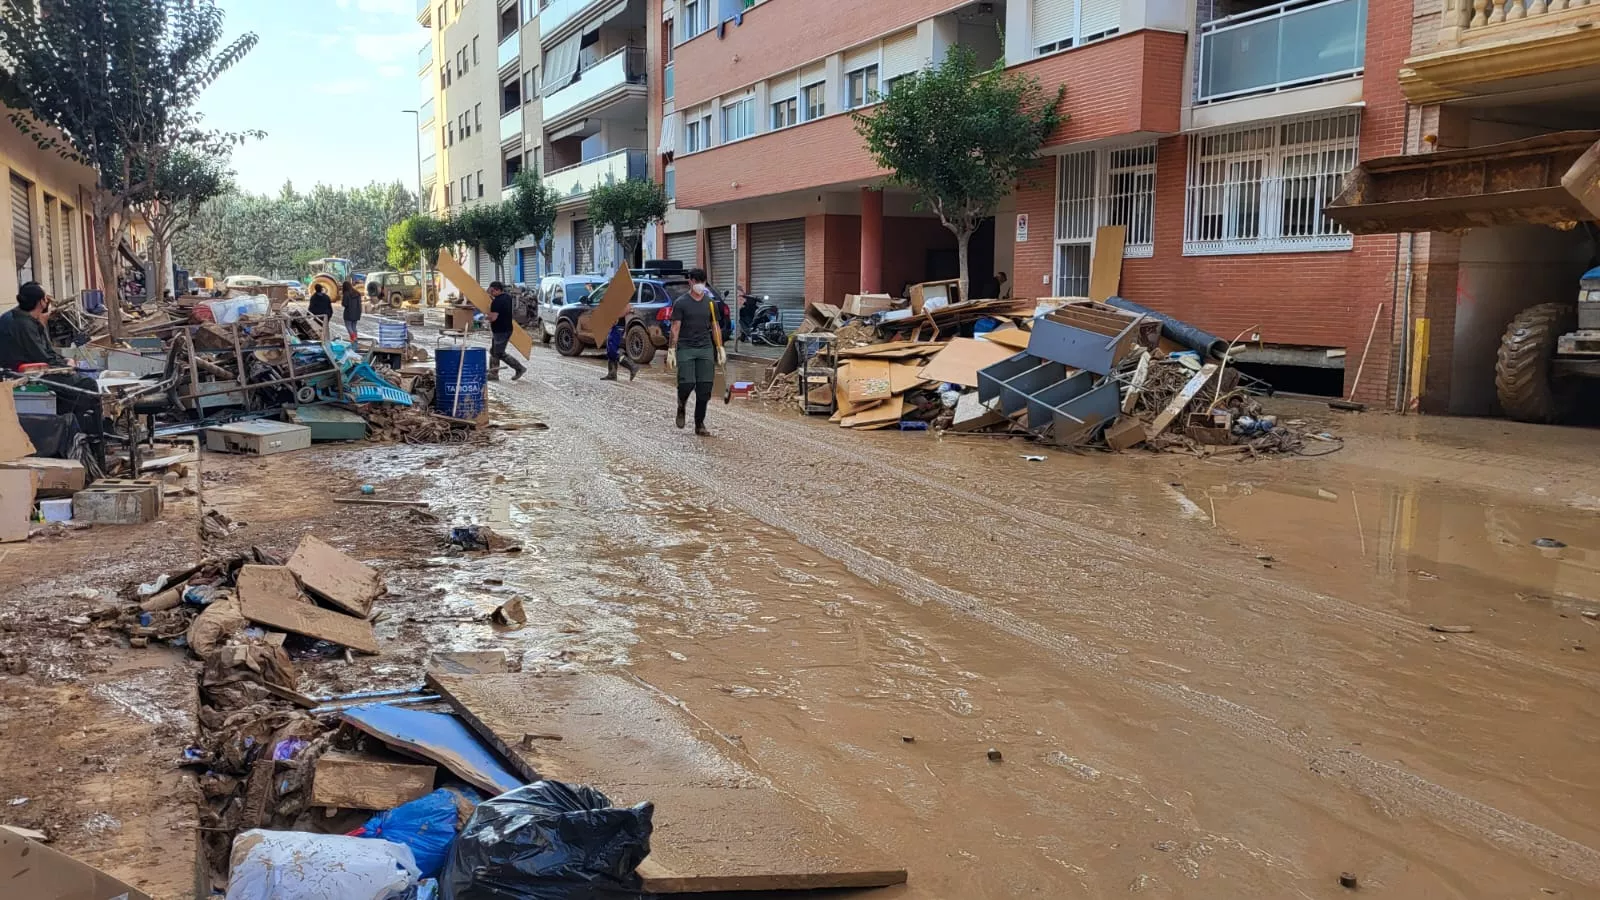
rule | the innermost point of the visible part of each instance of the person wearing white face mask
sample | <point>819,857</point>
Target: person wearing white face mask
<point>695,349</point>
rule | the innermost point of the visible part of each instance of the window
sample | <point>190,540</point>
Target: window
<point>696,18</point>
<point>530,85</point>
<point>861,87</point>
<point>785,113</point>
<point>739,119</point>
<point>1263,188</point>
<point>474,49</point>
<point>447,194</point>
<point>697,131</point>
<point>477,115</point>
<point>480,182</point>
<point>1064,24</point>
<point>1102,187</point>
<point>816,100</point>
<point>669,183</point>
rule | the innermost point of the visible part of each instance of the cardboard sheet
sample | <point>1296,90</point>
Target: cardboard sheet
<point>904,376</point>
<point>14,441</point>
<point>960,360</point>
<point>868,380</point>
<point>718,825</point>
<point>269,596</point>
<point>477,296</point>
<point>29,869</point>
<point>16,504</point>
<point>613,303</point>
<point>1015,338</point>
<point>335,577</point>
<point>886,412</point>
<point>437,736</point>
<point>1105,269</point>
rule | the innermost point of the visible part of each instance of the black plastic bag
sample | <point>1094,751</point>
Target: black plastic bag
<point>549,841</point>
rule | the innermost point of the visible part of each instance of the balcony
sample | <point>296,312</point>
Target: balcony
<point>425,13</point>
<point>425,118</point>
<point>510,126</point>
<point>1287,45</point>
<point>1487,47</point>
<point>559,12</point>
<point>617,76</point>
<point>510,51</point>
<point>575,182</point>
<point>666,84</point>
<point>425,57</point>
<point>508,193</point>
<point>430,169</point>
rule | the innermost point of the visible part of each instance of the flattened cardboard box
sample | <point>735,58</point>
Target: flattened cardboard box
<point>30,869</point>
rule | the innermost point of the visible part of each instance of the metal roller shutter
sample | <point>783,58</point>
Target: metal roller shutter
<point>1099,18</point>
<point>22,228</point>
<point>900,56</point>
<point>778,262</point>
<point>582,247</point>
<point>1053,21</point>
<point>860,57</point>
<point>485,268</point>
<point>49,279</point>
<point>681,247</point>
<point>68,258</point>
<point>724,273</point>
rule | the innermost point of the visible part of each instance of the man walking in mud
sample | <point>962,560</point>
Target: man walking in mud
<point>695,348</point>
<point>501,325</point>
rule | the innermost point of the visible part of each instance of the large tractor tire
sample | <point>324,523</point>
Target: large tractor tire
<point>1524,378</point>
<point>567,341</point>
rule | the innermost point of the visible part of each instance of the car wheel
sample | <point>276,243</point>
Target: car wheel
<point>567,343</point>
<point>544,332</point>
<point>638,346</point>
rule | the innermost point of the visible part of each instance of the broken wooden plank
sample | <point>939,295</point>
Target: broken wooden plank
<point>1105,268</point>
<point>29,869</point>
<point>365,781</point>
<point>1015,338</point>
<point>266,599</point>
<point>960,360</point>
<point>718,825</point>
<point>904,376</point>
<point>439,737</point>
<point>885,413</point>
<point>335,577</point>
<point>1182,399</point>
<point>868,381</point>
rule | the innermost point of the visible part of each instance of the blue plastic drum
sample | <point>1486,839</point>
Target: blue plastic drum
<point>473,386</point>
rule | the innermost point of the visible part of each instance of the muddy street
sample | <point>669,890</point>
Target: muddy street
<point>1203,679</point>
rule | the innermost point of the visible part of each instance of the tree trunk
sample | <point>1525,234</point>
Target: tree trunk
<point>108,235</point>
<point>962,239</point>
<point>163,272</point>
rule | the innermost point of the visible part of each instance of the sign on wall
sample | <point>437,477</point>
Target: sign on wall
<point>1022,228</point>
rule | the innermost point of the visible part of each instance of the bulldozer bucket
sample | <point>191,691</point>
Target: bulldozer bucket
<point>1552,179</point>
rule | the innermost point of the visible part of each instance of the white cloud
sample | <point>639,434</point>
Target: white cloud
<point>395,48</point>
<point>392,71</point>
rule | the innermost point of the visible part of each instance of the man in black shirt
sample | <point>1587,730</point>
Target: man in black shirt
<point>695,349</point>
<point>500,324</point>
<point>24,340</point>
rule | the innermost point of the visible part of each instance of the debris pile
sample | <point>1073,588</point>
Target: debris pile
<point>1067,371</point>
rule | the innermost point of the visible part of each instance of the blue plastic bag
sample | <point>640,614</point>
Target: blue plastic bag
<point>427,825</point>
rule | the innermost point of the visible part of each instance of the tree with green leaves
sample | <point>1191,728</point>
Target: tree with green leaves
<point>960,137</point>
<point>534,204</point>
<point>403,250</point>
<point>627,208</point>
<point>492,228</point>
<point>182,184</point>
<point>112,84</point>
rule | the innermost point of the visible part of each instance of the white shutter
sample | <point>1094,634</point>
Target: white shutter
<point>900,56</point>
<point>1053,21</point>
<point>860,57</point>
<point>813,74</point>
<point>784,87</point>
<point>1100,18</point>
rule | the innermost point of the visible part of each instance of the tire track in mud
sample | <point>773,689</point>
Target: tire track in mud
<point>1369,777</point>
<point>1170,564</point>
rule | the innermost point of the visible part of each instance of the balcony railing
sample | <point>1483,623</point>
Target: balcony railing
<point>426,117</point>
<point>1493,19</point>
<point>666,83</point>
<point>577,181</point>
<point>510,50</point>
<point>425,57</point>
<point>425,13</point>
<point>430,168</point>
<point>511,125</point>
<point>626,66</point>
<point>1291,44</point>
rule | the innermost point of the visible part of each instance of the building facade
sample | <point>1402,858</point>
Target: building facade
<point>48,228</point>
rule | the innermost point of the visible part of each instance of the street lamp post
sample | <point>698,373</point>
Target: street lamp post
<point>422,262</point>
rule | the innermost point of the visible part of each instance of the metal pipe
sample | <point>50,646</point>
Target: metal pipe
<point>1208,345</point>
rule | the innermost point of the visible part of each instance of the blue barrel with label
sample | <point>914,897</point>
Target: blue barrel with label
<point>472,387</point>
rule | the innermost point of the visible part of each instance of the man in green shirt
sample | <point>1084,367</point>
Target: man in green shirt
<point>695,348</point>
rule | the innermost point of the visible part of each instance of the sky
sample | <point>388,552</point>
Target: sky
<point>327,83</point>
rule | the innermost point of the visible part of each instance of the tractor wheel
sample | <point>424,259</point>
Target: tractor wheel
<point>567,343</point>
<point>1523,377</point>
<point>637,344</point>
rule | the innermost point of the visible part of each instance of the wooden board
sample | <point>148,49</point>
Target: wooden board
<point>1181,399</point>
<point>16,504</point>
<point>904,376</point>
<point>266,599</point>
<point>1015,338</point>
<point>960,360</point>
<point>613,303</point>
<point>868,381</point>
<point>14,442</point>
<point>437,736</point>
<point>477,296</point>
<point>886,412</point>
<point>1105,269</point>
<point>365,781</point>
<point>719,826</point>
<point>29,869</point>
<point>890,350</point>
<point>335,577</point>
<point>845,406</point>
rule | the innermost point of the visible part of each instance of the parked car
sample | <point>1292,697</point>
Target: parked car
<point>244,282</point>
<point>557,291</point>
<point>399,288</point>
<point>297,291</point>
<point>649,318</point>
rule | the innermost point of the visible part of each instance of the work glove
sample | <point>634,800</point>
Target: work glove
<point>672,360</point>
<point>722,355</point>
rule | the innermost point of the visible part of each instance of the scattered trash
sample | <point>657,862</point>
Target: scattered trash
<point>510,614</point>
<point>481,538</point>
<point>368,489</point>
<point>297,865</point>
<point>428,825</point>
<point>1030,458</point>
<point>1548,543</point>
<point>906,738</point>
<point>549,841</point>
<point>1348,880</point>
<point>1451,629</point>
<point>994,755</point>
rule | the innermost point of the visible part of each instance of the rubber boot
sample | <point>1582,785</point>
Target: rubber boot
<point>633,367</point>
<point>611,371</point>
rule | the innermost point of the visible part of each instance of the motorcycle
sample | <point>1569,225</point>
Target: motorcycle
<point>760,323</point>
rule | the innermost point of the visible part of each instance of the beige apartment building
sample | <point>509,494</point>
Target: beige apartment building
<point>46,229</point>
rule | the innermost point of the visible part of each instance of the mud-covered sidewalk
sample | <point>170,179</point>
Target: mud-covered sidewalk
<point>1206,678</point>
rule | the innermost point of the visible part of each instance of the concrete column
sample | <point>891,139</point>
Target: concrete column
<point>871,241</point>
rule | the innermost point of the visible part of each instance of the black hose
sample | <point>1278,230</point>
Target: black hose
<point>1209,345</point>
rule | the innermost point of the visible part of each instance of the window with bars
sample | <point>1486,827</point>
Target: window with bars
<point>1115,186</point>
<point>1263,188</point>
